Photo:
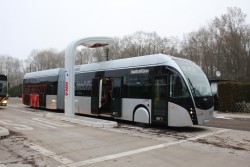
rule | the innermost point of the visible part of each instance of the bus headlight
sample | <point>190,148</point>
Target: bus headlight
<point>4,102</point>
<point>191,111</point>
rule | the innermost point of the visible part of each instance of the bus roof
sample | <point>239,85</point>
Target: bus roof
<point>134,62</point>
<point>44,73</point>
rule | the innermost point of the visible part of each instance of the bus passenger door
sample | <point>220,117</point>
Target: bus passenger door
<point>116,103</point>
<point>160,99</point>
<point>95,96</point>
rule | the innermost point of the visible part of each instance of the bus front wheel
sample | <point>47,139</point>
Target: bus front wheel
<point>141,115</point>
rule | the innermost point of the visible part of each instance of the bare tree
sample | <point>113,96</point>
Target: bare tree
<point>85,56</point>
<point>12,67</point>
<point>44,59</point>
<point>231,34</point>
<point>222,45</point>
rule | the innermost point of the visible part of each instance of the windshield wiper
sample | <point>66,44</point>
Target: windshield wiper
<point>193,89</point>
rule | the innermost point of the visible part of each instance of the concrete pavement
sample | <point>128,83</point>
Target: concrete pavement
<point>86,121</point>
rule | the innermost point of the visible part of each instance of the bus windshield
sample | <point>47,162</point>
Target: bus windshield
<point>197,80</point>
<point>3,87</point>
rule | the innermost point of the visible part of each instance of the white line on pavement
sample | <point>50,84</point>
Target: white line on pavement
<point>42,120</point>
<point>52,123</point>
<point>16,126</point>
<point>49,153</point>
<point>42,125</point>
<point>27,112</point>
<point>127,153</point>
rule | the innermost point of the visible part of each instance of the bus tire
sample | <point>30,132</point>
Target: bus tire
<point>141,115</point>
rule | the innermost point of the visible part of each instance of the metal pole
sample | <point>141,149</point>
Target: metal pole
<point>107,53</point>
<point>70,54</point>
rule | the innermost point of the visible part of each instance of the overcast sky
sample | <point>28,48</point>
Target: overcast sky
<point>41,24</point>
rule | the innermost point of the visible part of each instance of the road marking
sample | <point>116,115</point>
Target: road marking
<point>49,153</point>
<point>52,123</point>
<point>16,126</point>
<point>28,112</point>
<point>42,120</point>
<point>41,125</point>
<point>127,153</point>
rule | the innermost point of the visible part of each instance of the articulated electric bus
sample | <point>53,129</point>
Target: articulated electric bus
<point>3,90</point>
<point>44,89</point>
<point>146,89</point>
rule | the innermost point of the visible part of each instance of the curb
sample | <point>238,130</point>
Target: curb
<point>4,132</point>
<point>86,121</point>
<point>217,114</point>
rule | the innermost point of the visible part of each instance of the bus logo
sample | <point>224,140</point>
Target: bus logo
<point>66,88</point>
<point>140,71</point>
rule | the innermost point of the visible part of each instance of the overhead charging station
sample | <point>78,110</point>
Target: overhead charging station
<point>70,54</point>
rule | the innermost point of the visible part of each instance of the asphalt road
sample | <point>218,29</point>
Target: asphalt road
<point>37,140</point>
<point>234,123</point>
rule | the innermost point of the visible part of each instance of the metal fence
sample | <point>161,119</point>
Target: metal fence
<point>242,107</point>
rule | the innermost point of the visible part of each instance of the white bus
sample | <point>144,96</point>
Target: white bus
<point>146,89</point>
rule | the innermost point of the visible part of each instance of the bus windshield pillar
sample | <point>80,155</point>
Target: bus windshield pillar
<point>70,54</point>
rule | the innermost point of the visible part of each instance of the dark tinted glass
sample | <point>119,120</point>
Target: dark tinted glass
<point>137,86</point>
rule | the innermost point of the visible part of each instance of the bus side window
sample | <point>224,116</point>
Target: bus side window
<point>137,86</point>
<point>177,87</point>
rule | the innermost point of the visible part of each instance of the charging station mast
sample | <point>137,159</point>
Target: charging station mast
<point>70,54</point>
